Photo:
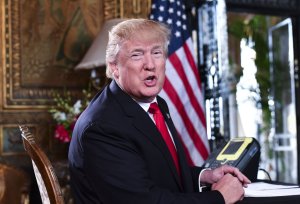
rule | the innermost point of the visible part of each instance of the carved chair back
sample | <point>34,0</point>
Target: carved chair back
<point>48,184</point>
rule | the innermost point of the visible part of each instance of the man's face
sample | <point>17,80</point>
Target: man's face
<point>140,68</point>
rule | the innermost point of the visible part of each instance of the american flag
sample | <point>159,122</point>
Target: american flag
<point>182,88</point>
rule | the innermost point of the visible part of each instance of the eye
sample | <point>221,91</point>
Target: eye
<point>157,53</point>
<point>136,56</point>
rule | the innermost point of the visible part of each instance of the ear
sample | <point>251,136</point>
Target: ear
<point>114,69</point>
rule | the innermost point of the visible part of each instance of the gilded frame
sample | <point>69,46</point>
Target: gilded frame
<point>126,8</point>
<point>29,81</point>
<point>25,97</point>
<point>11,143</point>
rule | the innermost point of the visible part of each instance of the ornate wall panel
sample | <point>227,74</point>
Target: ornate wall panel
<point>41,42</point>
<point>127,8</point>
<point>40,50</point>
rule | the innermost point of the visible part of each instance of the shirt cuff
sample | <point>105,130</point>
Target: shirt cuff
<point>201,187</point>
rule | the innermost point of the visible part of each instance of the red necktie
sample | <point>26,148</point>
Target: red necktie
<point>161,126</point>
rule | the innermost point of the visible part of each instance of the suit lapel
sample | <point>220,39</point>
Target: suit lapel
<point>142,122</point>
<point>186,178</point>
<point>152,133</point>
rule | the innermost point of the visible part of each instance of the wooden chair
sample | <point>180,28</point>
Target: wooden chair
<point>48,184</point>
<point>14,185</point>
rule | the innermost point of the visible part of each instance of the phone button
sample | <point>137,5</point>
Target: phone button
<point>224,161</point>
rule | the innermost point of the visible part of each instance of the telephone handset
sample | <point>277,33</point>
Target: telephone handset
<point>243,153</point>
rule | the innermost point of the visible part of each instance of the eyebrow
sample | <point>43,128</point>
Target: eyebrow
<point>142,50</point>
<point>137,50</point>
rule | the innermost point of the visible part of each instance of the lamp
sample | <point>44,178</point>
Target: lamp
<point>94,59</point>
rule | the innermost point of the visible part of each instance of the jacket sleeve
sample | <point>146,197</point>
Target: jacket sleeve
<point>118,174</point>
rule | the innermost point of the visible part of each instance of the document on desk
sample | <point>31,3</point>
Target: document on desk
<point>262,189</point>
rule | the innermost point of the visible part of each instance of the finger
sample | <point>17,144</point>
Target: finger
<point>237,173</point>
<point>243,194</point>
<point>244,179</point>
<point>242,197</point>
<point>241,176</point>
<point>229,169</point>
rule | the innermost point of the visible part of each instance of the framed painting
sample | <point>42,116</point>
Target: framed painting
<point>11,141</point>
<point>42,43</point>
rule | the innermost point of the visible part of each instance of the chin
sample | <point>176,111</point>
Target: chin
<point>148,97</point>
<point>150,92</point>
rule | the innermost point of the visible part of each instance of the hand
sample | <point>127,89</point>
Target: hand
<point>213,176</point>
<point>230,187</point>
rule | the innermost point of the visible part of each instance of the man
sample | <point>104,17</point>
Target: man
<point>117,154</point>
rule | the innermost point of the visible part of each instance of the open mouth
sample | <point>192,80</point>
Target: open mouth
<point>150,80</point>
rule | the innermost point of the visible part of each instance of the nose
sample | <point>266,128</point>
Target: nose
<point>149,62</point>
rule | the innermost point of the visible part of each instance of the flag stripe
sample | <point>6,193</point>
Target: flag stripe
<point>187,153</point>
<point>182,88</point>
<point>182,94</point>
<point>179,68</point>
<point>193,75</point>
<point>193,153</point>
<point>192,61</point>
<point>191,71</point>
<point>179,121</point>
<point>188,124</point>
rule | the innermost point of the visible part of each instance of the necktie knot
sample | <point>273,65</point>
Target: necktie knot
<point>153,109</point>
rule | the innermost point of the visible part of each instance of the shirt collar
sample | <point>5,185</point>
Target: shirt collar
<point>146,106</point>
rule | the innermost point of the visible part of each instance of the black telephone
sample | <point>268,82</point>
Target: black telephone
<point>243,153</point>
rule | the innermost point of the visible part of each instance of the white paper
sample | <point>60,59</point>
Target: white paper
<point>262,189</point>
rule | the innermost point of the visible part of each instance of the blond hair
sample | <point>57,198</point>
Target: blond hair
<point>126,31</point>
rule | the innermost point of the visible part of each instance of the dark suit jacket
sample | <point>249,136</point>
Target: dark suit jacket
<point>118,156</point>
